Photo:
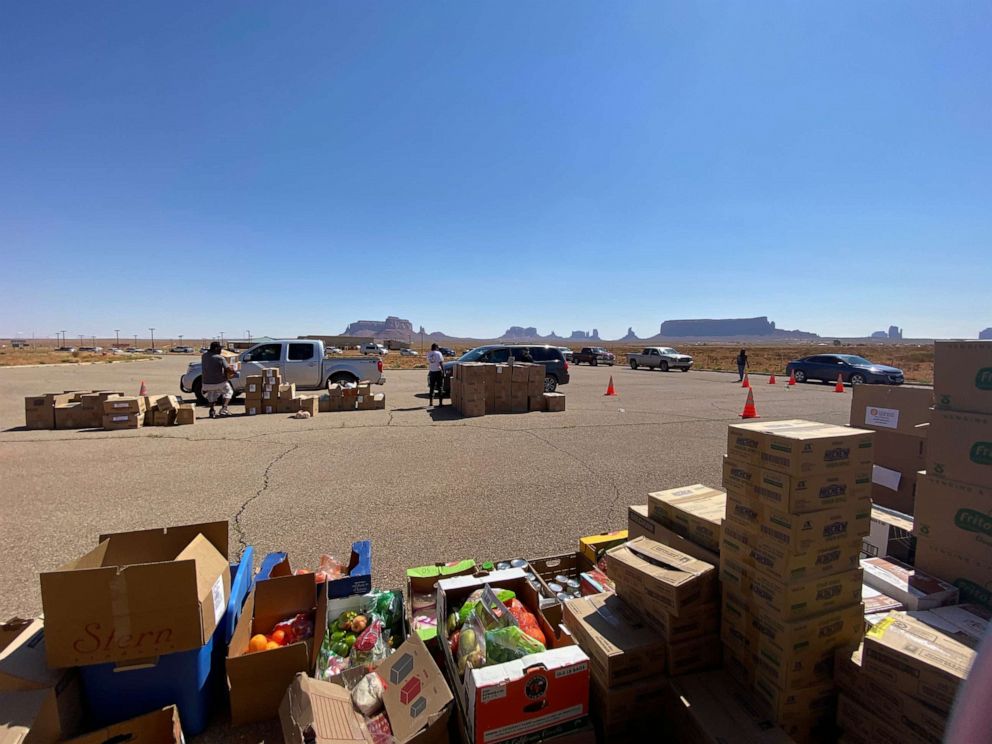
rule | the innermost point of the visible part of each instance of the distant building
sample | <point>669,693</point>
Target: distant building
<point>986,335</point>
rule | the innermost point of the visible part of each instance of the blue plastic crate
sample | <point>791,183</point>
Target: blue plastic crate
<point>192,680</point>
<point>358,580</point>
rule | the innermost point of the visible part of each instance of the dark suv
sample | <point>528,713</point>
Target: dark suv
<point>555,366</point>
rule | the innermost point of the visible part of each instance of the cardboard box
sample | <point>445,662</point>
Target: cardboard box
<point>873,720</point>
<point>890,534</point>
<point>627,710</point>
<point>962,375</point>
<point>258,681</point>
<point>902,452</point>
<point>800,448</point>
<point>953,527</point>
<point>72,416</point>
<point>168,403</point>
<point>639,524</point>
<point>133,404</point>
<point>37,704</point>
<point>137,595</point>
<point>648,572</point>
<point>796,495</point>
<point>966,623</point>
<point>162,418</point>
<point>157,727</point>
<point>113,421</point>
<point>915,659</point>
<point>594,547</point>
<point>893,489</point>
<point>827,630</point>
<point>912,587</point>
<point>754,552</point>
<point>39,410</point>
<point>693,655</point>
<point>536,402</point>
<point>695,512</point>
<point>554,402</point>
<point>186,414</point>
<point>876,602</point>
<point>620,647</point>
<point>316,712</point>
<point>798,710</point>
<point>421,598</point>
<point>694,622</point>
<point>891,409</point>
<point>960,447</point>
<point>537,693</point>
<point>971,579</point>
<point>801,533</point>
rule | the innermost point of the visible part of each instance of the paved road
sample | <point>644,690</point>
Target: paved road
<point>423,484</point>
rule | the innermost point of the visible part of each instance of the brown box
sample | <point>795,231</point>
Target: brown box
<point>137,595</point>
<point>535,402</point>
<point>186,414</point>
<point>796,495</point>
<point>752,551</point>
<point>801,448</point>
<point>694,622</point>
<point>902,452</point>
<point>621,648</point>
<point>310,404</point>
<point>472,407</point>
<point>95,399</point>
<point>72,416</point>
<point>39,410</point>
<point>693,655</point>
<point>288,405</point>
<point>626,710</point>
<point>914,658</point>
<point>253,386</point>
<point>962,375</point>
<point>960,447</point>
<point>695,512</point>
<point>640,524</point>
<point>891,409</point>
<point>799,711</point>
<point>646,571</point>
<point>162,418</point>
<point>894,489</point>
<point>554,402</point>
<point>287,392</point>
<point>910,585</point>
<point>160,726</point>
<point>132,404</point>
<point>168,403</point>
<point>124,420</point>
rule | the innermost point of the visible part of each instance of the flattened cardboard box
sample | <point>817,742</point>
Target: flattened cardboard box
<point>640,524</point>
<point>796,495</point>
<point>158,727</point>
<point>695,511</point>
<point>891,409</point>
<point>914,658</point>
<point>797,447</point>
<point>316,712</point>
<point>644,568</point>
<point>911,586</point>
<point>137,595</point>
<point>960,447</point>
<point>962,375</point>
<point>965,623</point>
<point>621,648</point>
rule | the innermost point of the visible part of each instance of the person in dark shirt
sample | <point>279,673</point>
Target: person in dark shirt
<point>525,356</point>
<point>741,364</point>
<point>214,384</point>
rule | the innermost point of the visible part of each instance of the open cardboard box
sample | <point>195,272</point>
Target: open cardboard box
<point>537,693</point>
<point>421,583</point>
<point>137,595</point>
<point>257,681</point>
<point>357,581</point>
<point>158,727</point>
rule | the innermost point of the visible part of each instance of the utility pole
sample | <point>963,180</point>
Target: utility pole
<point>222,339</point>
<point>180,339</point>
<point>248,334</point>
<point>94,342</point>
<point>153,338</point>
<point>62,342</point>
<point>117,333</point>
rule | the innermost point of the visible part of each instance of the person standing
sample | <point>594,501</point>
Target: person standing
<point>214,384</point>
<point>435,375</point>
<point>741,364</point>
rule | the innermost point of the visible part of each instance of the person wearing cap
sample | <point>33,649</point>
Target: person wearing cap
<point>215,385</point>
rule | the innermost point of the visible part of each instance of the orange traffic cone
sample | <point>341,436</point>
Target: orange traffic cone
<point>749,411</point>
<point>839,387</point>
<point>746,383</point>
<point>144,390</point>
<point>792,378</point>
<point>771,380</point>
<point>610,390</point>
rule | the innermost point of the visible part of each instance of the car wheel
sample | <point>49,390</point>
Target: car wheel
<point>858,379</point>
<point>594,362</point>
<point>550,384</point>
<point>198,392</point>
<point>685,369</point>
<point>633,364</point>
<point>800,375</point>
<point>663,366</point>
<point>341,377</point>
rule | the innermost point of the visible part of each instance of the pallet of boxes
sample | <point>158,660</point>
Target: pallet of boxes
<point>797,508</point>
<point>73,409</point>
<point>266,393</point>
<point>351,397</point>
<point>479,389</point>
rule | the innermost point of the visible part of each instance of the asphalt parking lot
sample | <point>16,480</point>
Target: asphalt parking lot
<point>424,485</point>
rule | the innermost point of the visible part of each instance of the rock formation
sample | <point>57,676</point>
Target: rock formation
<point>391,327</point>
<point>631,336</point>
<point>986,335</point>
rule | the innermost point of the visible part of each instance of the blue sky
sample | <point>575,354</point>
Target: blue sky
<point>290,167</point>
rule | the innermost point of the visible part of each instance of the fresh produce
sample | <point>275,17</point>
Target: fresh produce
<point>509,643</point>
<point>295,629</point>
<point>503,595</point>
<point>367,695</point>
<point>526,620</point>
<point>362,636</point>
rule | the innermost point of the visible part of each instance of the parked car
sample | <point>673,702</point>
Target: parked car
<point>298,361</point>
<point>378,349</point>
<point>555,366</point>
<point>660,357</point>
<point>154,351</point>
<point>852,368</point>
<point>182,349</point>
<point>445,351</point>
<point>566,352</point>
<point>70,349</point>
<point>593,355</point>
<point>91,349</point>
<point>408,352</point>
<point>334,350</point>
<point>132,350</point>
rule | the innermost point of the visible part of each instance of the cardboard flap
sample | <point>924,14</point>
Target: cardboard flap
<point>664,557</point>
<point>322,708</point>
<point>360,563</point>
<point>22,656</point>
<point>415,688</point>
<point>209,565</point>
<point>279,598</point>
<point>19,712</point>
<point>96,558</point>
<point>158,727</point>
<point>162,544</point>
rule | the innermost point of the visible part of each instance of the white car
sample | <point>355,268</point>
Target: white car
<point>334,350</point>
<point>408,352</point>
<point>378,349</point>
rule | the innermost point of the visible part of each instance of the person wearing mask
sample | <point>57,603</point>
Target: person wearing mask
<point>741,364</point>
<point>215,386</point>
<point>435,375</point>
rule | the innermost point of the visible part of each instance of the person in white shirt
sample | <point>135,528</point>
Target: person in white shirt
<point>435,375</point>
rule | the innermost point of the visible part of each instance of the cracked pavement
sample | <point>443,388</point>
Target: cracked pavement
<point>424,485</point>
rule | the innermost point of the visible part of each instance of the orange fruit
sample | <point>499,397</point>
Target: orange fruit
<point>279,636</point>
<point>257,643</point>
<point>271,645</point>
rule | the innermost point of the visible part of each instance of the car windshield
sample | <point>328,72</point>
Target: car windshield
<point>853,359</point>
<point>472,355</point>
<point>667,350</point>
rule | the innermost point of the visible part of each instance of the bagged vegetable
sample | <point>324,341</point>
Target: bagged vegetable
<point>504,595</point>
<point>471,645</point>
<point>509,643</point>
<point>526,620</point>
<point>367,695</point>
<point>370,647</point>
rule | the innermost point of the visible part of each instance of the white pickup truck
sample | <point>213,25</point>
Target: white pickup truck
<point>660,357</point>
<point>299,361</point>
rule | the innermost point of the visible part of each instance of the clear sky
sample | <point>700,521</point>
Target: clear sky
<point>286,168</point>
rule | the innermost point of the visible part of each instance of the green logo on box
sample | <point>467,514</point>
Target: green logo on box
<point>972,592</point>
<point>983,378</point>
<point>972,520</point>
<point>981,453</point>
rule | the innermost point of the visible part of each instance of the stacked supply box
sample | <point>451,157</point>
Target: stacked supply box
<point>69,410</point>
<point>125,412</point>
<point>797,509</point>
<point>262,392</point>
<point>953,521</point>
<point>253,394</point>
<point>349,398</point>
<point>468,388</point>
<point>675,594</point>
<point>479,389</point>
<point>696,512</point>
<point>900,418</point>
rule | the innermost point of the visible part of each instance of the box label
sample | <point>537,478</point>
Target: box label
<point>217,592</point>
<point>983,378</point>
<point>981,453</point>
<point>885,417</point>
<point>119,418</point>
<point>886,477</point>
<point>495,692</point>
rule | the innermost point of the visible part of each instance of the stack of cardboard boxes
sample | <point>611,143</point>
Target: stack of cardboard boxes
<point>797,508</point>
<point>353,398</point>
<point>124,412</point>
<point>900,418</point>
<point>480,389</point>
<point>953,518</point>
<point>166,410</point>
<point>72,409</point>
<point>266,393</point>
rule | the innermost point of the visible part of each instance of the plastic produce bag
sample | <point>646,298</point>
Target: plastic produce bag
<point>471,640</point>
<point>504,595</point>
<point>367,695</point>
<point>509,643</point>
<point>370,647</point>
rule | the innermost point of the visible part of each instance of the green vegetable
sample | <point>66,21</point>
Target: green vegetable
<point>341,649</point>
<point>504,595</point>
<point>509,643</point>
<point>350,639</point>
<point>337,635</point>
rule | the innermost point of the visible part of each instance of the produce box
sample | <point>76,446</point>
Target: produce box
<point>797,447</point>
<point>640,524</point>
<point>357,581</point>
<point>137,595</point>
<point>912,587</point>
<point>258,679</point>
<point>594,547</point>
<point>796,495</point>
<point>158,727</point>
<point>962,375</point>
<point>648,572</point>
<point>421,596</point>
<point>695,512</point>
<point>539,693</point>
